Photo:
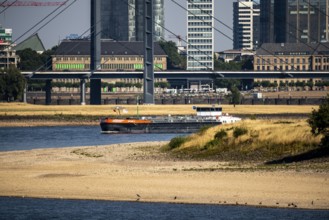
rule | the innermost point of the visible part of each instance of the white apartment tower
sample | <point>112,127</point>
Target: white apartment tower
<point>245,24</point>
<point>200,35</point>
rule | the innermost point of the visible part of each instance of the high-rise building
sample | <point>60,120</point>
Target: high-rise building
<point>294,21</point>
<point>245,24</point>
<point>118,20</point>
<point>124,20</point>
<point>266,21</point>
<point>200,35</point>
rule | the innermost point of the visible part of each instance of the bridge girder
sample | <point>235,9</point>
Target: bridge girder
<point>177,75</point>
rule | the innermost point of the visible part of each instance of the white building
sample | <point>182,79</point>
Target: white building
<point>200,35</point>
<point>245,24</point>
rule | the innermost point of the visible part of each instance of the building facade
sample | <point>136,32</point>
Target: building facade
<point>200,35</point>
<point>292,57</point>
<point>74,55</point>
<point>245,24</point>
<point>8,57</point>
<point>294,21</point>
<point>124,20</point>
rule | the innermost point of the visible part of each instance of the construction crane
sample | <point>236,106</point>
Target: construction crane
<point>31,3</point>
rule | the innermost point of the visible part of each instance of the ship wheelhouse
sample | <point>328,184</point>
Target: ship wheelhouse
<point>208,111</point>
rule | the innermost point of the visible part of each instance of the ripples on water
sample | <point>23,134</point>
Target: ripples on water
<point>26,208</point>
<point>27,138</point>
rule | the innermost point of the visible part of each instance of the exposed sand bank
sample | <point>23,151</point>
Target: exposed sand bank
<point>121,171</point>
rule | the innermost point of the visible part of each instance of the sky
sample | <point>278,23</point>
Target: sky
<point>76,20</point>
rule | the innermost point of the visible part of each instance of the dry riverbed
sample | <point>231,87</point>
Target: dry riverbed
<point>142,172</point>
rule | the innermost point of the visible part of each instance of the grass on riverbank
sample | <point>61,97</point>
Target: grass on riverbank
<point>250,140</point>
<point>21,109</point>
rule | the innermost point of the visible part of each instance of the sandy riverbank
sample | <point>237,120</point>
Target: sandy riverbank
<point>131,172</point>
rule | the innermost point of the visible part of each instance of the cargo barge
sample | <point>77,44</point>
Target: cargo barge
<point>206,116</point>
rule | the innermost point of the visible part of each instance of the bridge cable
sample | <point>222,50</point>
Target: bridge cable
<point>7,6</point>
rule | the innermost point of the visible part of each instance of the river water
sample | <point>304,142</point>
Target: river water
<point>65,136</point>
<point>23,138</point>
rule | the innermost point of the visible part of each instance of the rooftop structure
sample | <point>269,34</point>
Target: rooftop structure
<point>33,42</point>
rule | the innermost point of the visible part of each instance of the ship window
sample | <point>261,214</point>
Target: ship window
<point>207,109</point>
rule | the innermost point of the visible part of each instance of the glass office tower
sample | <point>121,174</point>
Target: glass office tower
<point>200,35</point>
<point>123,20</point>
<point>294,21</point>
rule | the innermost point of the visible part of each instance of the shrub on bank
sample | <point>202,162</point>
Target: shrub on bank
<point>176,142</point>
<point>239,131</point>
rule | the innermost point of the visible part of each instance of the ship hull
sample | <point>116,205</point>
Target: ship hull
<point>158,127</point>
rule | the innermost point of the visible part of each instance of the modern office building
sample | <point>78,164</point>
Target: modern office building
<point>123,20</point>
<point>200,35</point>
<point>294,21</point>
<point>245,24</point>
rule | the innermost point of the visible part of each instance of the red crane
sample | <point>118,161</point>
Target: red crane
<point>31,3</point>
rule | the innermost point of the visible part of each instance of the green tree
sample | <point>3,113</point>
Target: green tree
<point>235,96</point>
<point>227,83</point>
<point>174,60</point>
<point>319,122</point>
<point>12,84</point>
<point>30,60</point>
<point>231,66</point>
<point>47,59</point>
<point>162,84</point>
